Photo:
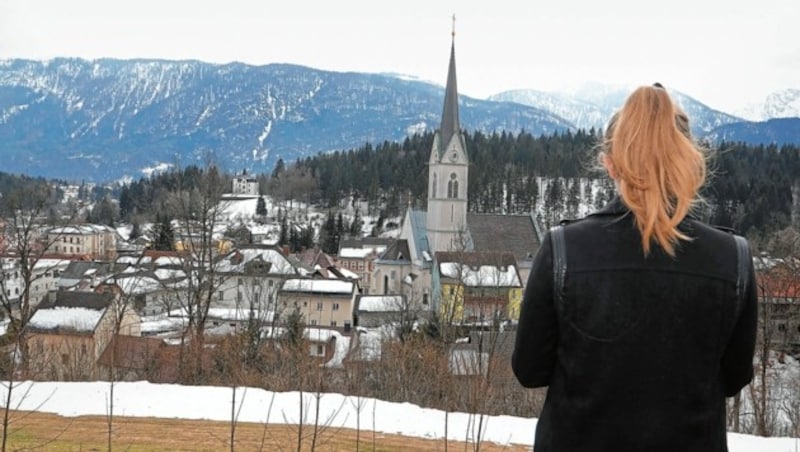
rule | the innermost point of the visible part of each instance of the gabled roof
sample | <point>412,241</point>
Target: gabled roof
<point>68,299</point>
<point>509,233</point>
<point>76,312</point>
<point>479,269</point>
<point>79,269</point>
<point>397,251</point>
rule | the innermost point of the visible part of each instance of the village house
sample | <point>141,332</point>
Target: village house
<point>779,302</point>
<point>244,184</point>
<point>373,311</point>
<point>45,275</point>
<point>322,302</point>
<point>477,287</point>
<point>251,276</point>
<point>358,256</point>
<point>85,241</point>
<point>69,331</point>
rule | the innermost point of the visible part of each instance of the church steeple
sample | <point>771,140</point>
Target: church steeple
<point>448,173</point>
<point>450,121</point>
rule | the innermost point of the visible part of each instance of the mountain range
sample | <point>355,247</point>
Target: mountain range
<point>109,119</point>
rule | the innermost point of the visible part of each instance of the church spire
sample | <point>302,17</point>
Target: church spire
<point>450,122</point>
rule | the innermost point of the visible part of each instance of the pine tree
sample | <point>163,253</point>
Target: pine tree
<point>261,207</point>
<point>164,235</point>
<point>283,239</point>
<point>135,231</point>
<point>329,239</point>
<point>355,226</point>
<point>295,327</point>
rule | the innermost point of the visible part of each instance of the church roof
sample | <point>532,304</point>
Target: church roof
<point>450,121</point>
<point>419,229</point>
<point>512,233</point>
<point>397,251</point>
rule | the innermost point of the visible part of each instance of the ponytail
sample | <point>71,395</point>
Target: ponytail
<point>658,168</point>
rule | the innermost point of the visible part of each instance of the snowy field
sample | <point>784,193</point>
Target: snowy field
<point>142,399</point>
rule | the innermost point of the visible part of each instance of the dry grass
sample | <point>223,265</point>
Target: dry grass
<point>42,431</point>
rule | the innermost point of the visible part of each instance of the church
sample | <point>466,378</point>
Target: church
<point>463,265</point>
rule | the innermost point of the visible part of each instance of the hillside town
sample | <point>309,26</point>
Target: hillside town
<point>84,301</point>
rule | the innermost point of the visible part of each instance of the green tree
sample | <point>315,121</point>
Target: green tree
<point>163,234</point>
<point>261,207</point>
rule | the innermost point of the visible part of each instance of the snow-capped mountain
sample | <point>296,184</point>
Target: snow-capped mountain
<point>592,104</point>
<point>106,119</point>
<point>583,113</point>
<point>780,104</point>
<point>109,119</point>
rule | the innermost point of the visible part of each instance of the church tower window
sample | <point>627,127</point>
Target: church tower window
<point>433,188</point>
<point>452,186</point>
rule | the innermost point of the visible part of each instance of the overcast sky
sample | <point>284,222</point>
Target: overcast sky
<point>724,53</point>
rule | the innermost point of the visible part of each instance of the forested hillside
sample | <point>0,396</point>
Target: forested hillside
<point>753,189</point>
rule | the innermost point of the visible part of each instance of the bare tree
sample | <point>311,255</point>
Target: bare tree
<point>199,210</point>
<point>24,215</point>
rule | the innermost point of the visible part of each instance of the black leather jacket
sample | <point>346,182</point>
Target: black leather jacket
<point>641,352</point>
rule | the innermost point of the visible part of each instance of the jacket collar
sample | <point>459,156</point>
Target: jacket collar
<point>614,207</point>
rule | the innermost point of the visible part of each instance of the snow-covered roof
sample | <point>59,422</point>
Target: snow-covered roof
<point>237,314</point>
<point>360,253</point>
<point>380,303</point>
<point>83,229</point>
<point>133,260</point>
<point>168,260</point>
<point>161,324</point>
<point>167,273</point>
<point>47,264</point>
<point>336,286</point>
<point>347,273</point>
<point>279,264</point>
<point>78,319</point>
<point>482,276</point>
<point>136,284</point>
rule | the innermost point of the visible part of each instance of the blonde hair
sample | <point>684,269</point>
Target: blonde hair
<point>658,168</point>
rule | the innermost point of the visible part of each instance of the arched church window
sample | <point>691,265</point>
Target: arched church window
<point>452,186</point>
<point>433,188</point>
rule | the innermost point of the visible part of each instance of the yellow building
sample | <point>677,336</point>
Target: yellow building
<point>477,287</point>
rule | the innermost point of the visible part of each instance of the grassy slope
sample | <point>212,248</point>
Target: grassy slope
<point>56,433</point>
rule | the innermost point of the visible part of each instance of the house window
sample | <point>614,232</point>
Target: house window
<point>221,295</point>
<point>313,322</point>
<point>425,299</point>
<point>335,307</point>
<point>320,350</point>
<point>64,359</point>
<point>333,322</point>
<point>319,306</point>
